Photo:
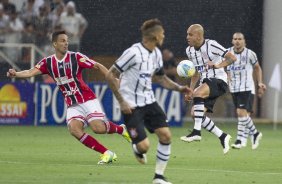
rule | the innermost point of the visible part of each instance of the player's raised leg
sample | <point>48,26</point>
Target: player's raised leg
<point>99,123</point>
<point>76,128</point>
<point>224,138</point>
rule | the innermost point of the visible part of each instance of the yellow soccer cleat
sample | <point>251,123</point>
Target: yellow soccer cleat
<point>125,134</point>
<point>107,158</point>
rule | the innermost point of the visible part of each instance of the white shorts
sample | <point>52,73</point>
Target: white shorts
<point>86,112</point>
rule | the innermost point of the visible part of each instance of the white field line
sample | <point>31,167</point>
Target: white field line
<point>134,167</point>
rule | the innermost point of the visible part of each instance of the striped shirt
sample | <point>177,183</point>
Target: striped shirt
<point>137,66</point>
<point>209,51</point>
<point>241,71</point>
<point>67,73</point>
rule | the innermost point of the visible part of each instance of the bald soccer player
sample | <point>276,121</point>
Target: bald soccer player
<point>207,57</point>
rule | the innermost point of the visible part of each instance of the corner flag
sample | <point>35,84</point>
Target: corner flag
<point>275,80</point>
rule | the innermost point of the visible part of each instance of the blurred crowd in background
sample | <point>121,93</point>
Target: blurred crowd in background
<point>33,21</point>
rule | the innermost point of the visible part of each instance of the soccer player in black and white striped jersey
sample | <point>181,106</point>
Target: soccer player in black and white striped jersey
<point>241,85</point>
<point>207,57</point>
<point>137,66</point>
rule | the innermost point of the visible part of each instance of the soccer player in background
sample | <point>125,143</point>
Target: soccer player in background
<point>137,67</point>
<point>206,55</point>
<point>65,67</point>
<point>242,88</point>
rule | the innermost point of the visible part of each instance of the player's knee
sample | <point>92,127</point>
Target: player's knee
<point>143,146</point>
<point>98,126</point>
<point>192,115</point>
<point>76,132</point>
<point>242,112</point>
<point>199,94</point>
<point>165,137</point>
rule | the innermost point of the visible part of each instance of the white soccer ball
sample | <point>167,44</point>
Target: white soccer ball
<point>186,69</point>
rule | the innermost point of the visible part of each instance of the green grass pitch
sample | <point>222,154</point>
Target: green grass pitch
<point>42,155</point>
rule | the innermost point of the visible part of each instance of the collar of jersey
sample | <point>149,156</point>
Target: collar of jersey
<point>63,57</point>
<point>146,48</point>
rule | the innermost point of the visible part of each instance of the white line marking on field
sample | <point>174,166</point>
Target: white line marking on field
<point>134,167</point>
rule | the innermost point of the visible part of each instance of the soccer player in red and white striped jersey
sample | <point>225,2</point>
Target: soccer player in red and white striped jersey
<point>65,67</point>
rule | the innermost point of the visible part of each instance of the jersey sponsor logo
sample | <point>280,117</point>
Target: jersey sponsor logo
<point>200,68</point>
<point>236,68</point>
<point>63,80</point>
<point>144,75</point>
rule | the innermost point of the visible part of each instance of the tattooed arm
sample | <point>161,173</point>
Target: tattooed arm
<point>229,58</point>
<point>111,76</point>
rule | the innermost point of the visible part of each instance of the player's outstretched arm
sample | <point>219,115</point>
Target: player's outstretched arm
<point>12,73</point>
<point>166,82</point>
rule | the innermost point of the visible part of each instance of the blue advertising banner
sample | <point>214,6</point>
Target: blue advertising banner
<point>16,103</point>
<point>51,109</point>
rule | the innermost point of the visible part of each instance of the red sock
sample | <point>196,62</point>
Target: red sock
<point>92,143</point>
<point>113,128</point>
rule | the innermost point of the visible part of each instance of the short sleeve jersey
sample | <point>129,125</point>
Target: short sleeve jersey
<point>209,51</point>
<point>67,73</point>
<point>241,71</point>
<point>137,66</point>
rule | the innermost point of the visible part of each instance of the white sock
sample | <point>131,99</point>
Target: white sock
<point>163,153</point>
<point>209,125</point>
<point>198,115</point>
<point>249,124</point>
<point>240,130</point>
<point>134,147</point>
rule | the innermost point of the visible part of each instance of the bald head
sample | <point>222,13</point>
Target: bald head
<point>195,35</point>
<point>197,28</point>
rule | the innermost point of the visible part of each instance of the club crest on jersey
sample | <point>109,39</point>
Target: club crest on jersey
<point>133,132</point>
<point>243,58</point>
<point>205,55</point>
<point>67,65</point>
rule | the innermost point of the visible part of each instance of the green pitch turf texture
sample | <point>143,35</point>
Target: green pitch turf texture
<point>44,155</point>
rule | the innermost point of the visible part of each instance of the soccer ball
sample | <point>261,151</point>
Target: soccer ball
<point>185,69</point>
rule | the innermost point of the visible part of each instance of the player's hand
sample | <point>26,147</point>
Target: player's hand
<point>184,89</point>
<point>188,97</point>
<point>261,89</point>
<point>11,73</point>
<point>125,108</point>
<point>188,93</point>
